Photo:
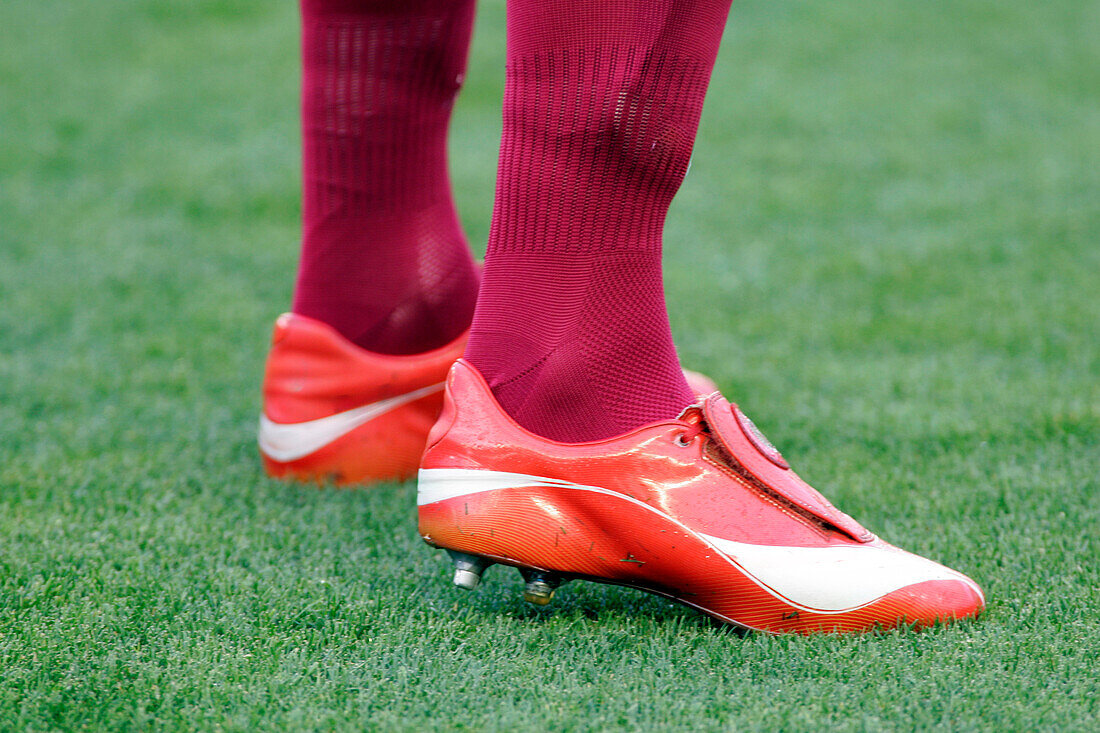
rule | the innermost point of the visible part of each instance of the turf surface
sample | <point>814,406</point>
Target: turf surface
<point>887,250</point>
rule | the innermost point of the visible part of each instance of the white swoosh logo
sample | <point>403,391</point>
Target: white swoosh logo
<point>821,579</point>
<point>285,442</point>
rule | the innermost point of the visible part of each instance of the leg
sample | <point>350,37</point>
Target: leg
<point>601,107</point>
<point>384,260</point>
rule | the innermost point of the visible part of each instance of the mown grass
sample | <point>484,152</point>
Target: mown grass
<point>887,250</point>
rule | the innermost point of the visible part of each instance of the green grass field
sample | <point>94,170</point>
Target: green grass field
<point>888,250</point>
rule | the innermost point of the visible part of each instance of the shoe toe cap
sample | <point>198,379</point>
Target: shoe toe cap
<point>942,595</point>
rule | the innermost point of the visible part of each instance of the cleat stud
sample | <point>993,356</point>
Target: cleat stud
<point>540,586</point>
<point>466,579</point>
<point>468,569</point>
<point>538,593</point>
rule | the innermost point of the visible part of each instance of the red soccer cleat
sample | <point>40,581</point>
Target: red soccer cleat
<point>334,411</point>
<point>701,509</point>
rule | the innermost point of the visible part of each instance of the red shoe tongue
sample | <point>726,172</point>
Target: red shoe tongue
<point>758,458</point>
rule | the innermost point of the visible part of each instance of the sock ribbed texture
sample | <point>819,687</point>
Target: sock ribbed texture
<point>601,105</point>
<point>384,260</point>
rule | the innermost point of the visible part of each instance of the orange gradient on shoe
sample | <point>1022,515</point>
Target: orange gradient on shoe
<point>701,509</point>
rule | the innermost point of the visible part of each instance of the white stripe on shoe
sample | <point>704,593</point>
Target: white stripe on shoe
<point>822,579</point>
<point>438,484</point>
<point>834,578</point>
<point>286,442</point>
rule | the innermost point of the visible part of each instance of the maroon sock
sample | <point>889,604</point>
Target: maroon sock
<point>601,106</point>
<point>384,260</point>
